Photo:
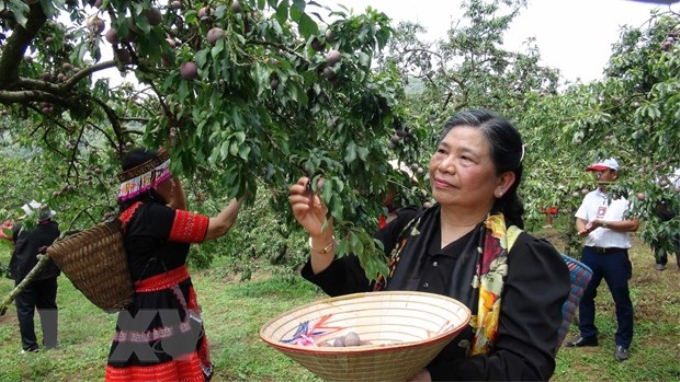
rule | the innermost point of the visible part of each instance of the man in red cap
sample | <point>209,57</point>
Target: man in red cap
<point>600,219</point>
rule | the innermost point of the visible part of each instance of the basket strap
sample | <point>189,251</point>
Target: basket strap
<point>126,215</point>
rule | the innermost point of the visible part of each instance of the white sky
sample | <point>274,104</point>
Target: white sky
<point>574,36</point>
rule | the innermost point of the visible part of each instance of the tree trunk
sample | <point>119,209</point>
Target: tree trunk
<point>42,261</point>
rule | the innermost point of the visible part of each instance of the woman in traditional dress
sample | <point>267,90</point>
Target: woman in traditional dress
<point>160,336</point>
<point>459,248</point>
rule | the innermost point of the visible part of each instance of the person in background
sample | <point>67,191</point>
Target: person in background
<point>161,335</point>
<point>549,213</point>
<point>455,248</point>
<point>601,220</point>
<point>41,292</point>
<point>659,244</point>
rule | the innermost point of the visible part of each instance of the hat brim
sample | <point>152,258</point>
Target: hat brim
<point>47,215</point>
<point>598,167</point>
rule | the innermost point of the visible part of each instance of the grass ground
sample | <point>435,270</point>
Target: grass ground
<point>234,311</point>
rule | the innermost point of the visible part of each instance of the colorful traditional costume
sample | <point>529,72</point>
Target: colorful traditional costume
<point>160,336</point>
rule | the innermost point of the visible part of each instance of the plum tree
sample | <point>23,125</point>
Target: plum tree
<point>230,131</point>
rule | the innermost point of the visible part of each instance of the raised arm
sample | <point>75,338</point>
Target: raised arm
<point>179,198</point>
<point>222,223</point>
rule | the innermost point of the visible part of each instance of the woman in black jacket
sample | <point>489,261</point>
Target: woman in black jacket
<point>459,248</point>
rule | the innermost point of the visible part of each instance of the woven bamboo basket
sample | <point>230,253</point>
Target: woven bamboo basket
<point>399,332</point>
<point>96,263</point>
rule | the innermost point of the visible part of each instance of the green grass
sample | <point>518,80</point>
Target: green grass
<point>234,312</point>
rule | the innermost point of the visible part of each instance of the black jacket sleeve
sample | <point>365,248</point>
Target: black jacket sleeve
<point>537,286</point>
<point>345,274</point>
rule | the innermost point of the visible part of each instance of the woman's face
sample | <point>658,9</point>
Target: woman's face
<point>165,189</point>
<point>462,173</point>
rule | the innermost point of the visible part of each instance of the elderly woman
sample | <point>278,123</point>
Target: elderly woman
<point>160,337</point>
<point>457,248</point>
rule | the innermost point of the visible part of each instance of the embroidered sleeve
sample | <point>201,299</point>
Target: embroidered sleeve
<point>188,227</point>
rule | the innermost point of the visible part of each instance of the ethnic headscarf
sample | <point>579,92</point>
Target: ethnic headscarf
<point>143,177</point>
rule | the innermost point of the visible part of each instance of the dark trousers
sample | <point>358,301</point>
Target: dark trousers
<point>41,294</point>
<point>661,254</point>
<point>615,269</point>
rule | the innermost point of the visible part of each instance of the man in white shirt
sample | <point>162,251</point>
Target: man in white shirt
<point>601,219</point>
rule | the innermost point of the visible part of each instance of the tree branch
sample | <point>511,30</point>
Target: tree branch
<point>280,47</point>
<point>113,142</point>
<point>14,293</point>
<point>61,89</point>
<point>418,50</point>
<point>115,122</point>
<point>24,96</point>
<point>15,46</point>
<point>72,162</point>
<point>71,83</point>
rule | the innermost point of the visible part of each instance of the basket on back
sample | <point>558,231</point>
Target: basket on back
<point>399,333</point>
<point>96,263</point>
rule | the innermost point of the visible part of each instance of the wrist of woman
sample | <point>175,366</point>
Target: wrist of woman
<point>322,245</point>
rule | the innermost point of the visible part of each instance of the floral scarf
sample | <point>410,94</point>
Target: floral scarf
<point>492,269</point>
<point>489,276</point>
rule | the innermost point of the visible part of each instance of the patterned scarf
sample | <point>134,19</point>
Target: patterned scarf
<point>492,269</point>
<point>489,276</point>
<point>142,178</point>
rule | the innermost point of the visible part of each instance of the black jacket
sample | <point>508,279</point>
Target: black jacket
<point>27,245</point>
<point>536,287</point>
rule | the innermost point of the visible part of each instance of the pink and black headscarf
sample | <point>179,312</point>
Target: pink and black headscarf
<point>143,177</point>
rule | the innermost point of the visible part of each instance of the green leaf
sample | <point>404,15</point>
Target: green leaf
<point>201,57</point>
<point>243,152</point>
<point>183,90</point>
<point>282,12</point>
<point>295,13</point>
<point>343,247</point>
<point>276,26</point>
<point>364,59</point>
<point>138,8</point>
<point>358,247</point>
<point>307,27</point>
<point>350,153</point>
<point>240,137</point>
<point>224,150</point>
<point>143,24</point>
<point>353,239</point>
<point>300,5</point>
<point>82,51</point>
<point>363,153</point>
<point>49,9</point>
<point>18,9</point>
<point>218,48</point>
<point>233,148</point>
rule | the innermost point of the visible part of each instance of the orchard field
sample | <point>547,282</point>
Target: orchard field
<point>249,95</point>
<point>234,311</point>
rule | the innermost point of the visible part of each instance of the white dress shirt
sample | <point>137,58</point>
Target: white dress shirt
<point>598,205</point>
